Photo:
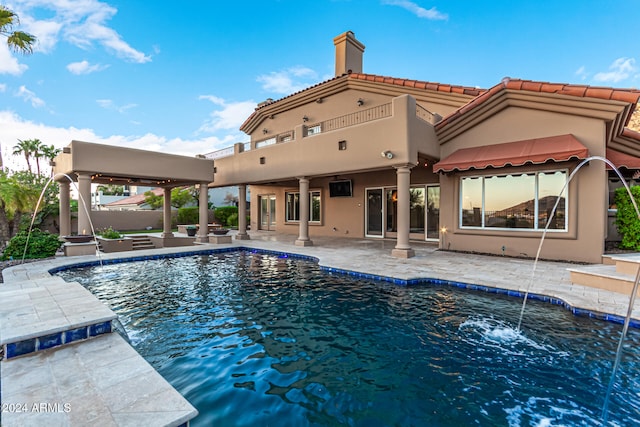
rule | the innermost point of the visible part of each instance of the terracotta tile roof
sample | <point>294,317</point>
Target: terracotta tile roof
<point>138,199</point>
<point>464,90</point>
<point>419,84</point>
<point>626,95</point>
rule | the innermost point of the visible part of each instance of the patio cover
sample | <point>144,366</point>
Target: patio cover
<point>108,164</point>
<point>534,151</point>
<point>622,160</point>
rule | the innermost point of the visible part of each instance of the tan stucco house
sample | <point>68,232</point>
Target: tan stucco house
<point>368,156</point>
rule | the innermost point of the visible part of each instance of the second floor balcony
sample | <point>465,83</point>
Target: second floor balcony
<point>351,142</point>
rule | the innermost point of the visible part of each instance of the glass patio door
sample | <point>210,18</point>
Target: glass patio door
<point>374,212</point>
<point>268,212</point>
<point>433,212</point>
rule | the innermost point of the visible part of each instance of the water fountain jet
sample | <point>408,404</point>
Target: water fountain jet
<point>634,290</point>
<point>84,205</point>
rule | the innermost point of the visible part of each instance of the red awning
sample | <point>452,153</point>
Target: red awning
<point>622,160</point>
<point>534,151</point>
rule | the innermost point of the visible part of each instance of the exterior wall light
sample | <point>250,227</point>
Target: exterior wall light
<point>265,131</point>
<point>388,154</point>
<point>360,102</point>
<point>305,119</point>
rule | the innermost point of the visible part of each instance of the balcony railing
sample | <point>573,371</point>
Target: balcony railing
<point>218,154</point>
<point>374,113</point>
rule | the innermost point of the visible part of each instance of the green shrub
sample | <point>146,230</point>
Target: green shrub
<point>627,220</point>
<point>110,233</point>
<point>41,245</point>
<point>222,214</point>
<point>188,215</point>
<point>232,220</point>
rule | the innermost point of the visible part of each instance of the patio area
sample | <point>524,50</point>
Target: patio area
<point>99,377</point>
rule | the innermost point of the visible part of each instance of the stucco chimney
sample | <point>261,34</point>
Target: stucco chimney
<point>348,54</point>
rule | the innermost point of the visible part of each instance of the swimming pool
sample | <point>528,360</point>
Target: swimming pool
<point>261,339</point>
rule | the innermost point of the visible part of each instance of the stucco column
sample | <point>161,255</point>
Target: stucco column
<point>84,204</point>
<point>166,214</point>
<point>65,210</point>
<point>402,249</point>
<point>203,230</point>
<point>303,234</point>
<point>242,213</point>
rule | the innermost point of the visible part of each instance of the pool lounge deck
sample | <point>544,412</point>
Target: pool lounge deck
<point>99,379</point>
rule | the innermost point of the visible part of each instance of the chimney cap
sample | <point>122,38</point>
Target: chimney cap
<point>348,36</point>
<point>349,52</point>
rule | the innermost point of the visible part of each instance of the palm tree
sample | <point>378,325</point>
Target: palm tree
<point>18,41</point>
<point>26,148</point>
<point>37,147</point>
<point>49,152</point>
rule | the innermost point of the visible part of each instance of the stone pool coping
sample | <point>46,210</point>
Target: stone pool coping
<point>363,258</point>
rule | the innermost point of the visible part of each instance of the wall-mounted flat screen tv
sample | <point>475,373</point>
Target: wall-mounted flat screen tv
<point>340,188</point>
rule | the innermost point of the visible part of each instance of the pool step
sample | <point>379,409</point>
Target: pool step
<point>141,242</point>
<point>617,273</point>
<point>102,381</point>
<point>42,314</point>
<point>61,363</point>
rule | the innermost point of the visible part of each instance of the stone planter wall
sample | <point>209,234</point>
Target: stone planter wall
<point>116,245</point>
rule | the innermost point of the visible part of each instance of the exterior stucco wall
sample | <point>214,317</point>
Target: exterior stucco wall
<point>344,102</point>
<point>587,202</point>
<point>345,214</point>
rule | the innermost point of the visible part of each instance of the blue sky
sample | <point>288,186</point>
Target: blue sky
<point>181,77</point>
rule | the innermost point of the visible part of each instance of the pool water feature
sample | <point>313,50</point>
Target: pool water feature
<point>261,339</point>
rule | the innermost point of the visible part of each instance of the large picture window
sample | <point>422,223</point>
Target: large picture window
<point>521,201</point>
<point>293,206</point>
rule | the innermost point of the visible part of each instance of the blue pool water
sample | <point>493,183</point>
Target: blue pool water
<point>256,339</point>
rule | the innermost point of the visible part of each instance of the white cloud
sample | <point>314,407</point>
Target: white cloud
<point>288,81</point>
<point>582,73</point>
<point>8,63</point>
<point>419,11</point>
<point>47,32</point>
<point>14,127</point>
<point>231,116</point>
<point>83,67</point>
<point>82,23</point>
<point>620,69</point>
<point>213,99</point>
<point>3,87</point>
<point>108,104</point>
<point>30,96</point>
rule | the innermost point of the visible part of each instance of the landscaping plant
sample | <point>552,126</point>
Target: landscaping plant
<point>627,220</point>
<point>41,245</point>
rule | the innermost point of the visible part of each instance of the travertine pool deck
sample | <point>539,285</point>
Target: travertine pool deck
<point>101,380</point>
